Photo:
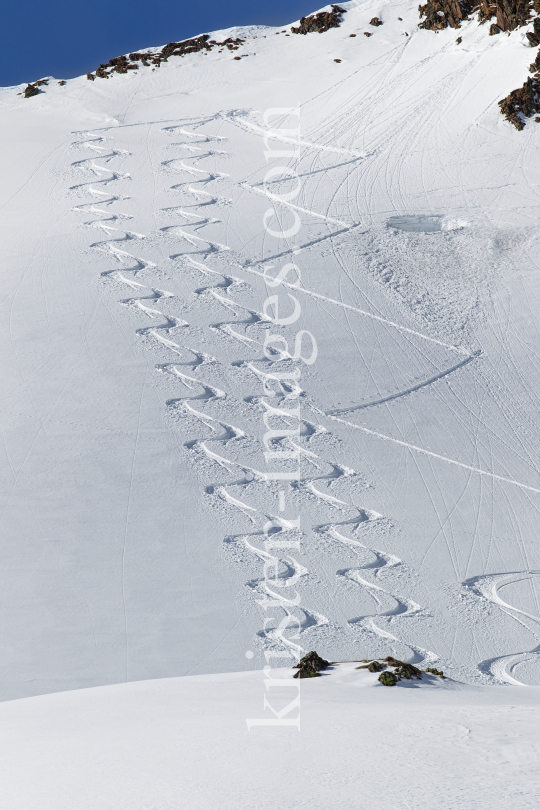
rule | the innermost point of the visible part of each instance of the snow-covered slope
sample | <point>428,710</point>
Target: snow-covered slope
<point>136,237</point>
<point>185,742</point>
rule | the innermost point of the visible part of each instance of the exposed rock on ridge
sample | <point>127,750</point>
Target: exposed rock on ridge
<point>509,14</point>
<point>524,102</point>
<point>320,22</point>
<point>123,64</point>
<point>441,14</point>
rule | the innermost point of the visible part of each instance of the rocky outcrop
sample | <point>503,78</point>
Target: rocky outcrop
<point>123,64</point>
<point>402,670</point>
<point>33,88</point>
<point>388,679</point>
<point>535,66</point>
<point>522,103</point>
<point>321,22</point>
<point>438,672</point>
<point>509,14</point>
<point>441,14</point>
<point>310,665</point>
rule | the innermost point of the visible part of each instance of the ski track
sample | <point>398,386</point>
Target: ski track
<point>233,493</point>
<point>389,606</point>
<point>487,587</point>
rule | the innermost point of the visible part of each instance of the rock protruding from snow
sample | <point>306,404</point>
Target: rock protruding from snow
<point>522,103</point>
<point>123,64</point>
<point>310,665</point>
<point>30,91</point>
<point>402,670</point>
<point>441,14</point>
<point>321,22</point>
<point>388,679</point>
<point>509,14</point>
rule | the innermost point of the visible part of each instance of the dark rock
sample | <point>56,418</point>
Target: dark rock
<point>237,57</point>
<point>403,669</point>
<point>510,14</point>
<point>407,671</point>
<point>90,77</point>
<point>388,679</point>
<point>459,40</point>
<point>375,21</point>
<point>313,660</point>
<point>121,64</point>
<point>521,103</point>
<point>337,60</point>
<point>307,672</point>
<point>440,14</point>
<point>352,35</point>
<point>61,82</point>
<point>368,34</point>
<point>30,91</point>
<point>143,57</point>
<point>320,22</point>
<point>434,671</point>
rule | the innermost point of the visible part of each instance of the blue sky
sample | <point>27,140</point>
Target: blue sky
<point>65,38</point>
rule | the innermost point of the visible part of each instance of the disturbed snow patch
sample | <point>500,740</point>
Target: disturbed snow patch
<point>441,276</point>
<point>417,224</point>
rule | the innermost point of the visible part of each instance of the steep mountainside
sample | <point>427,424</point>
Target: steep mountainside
<point>270,352</point>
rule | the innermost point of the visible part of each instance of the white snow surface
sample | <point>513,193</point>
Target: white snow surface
<point>185,742</point>
<point>134,486</point>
